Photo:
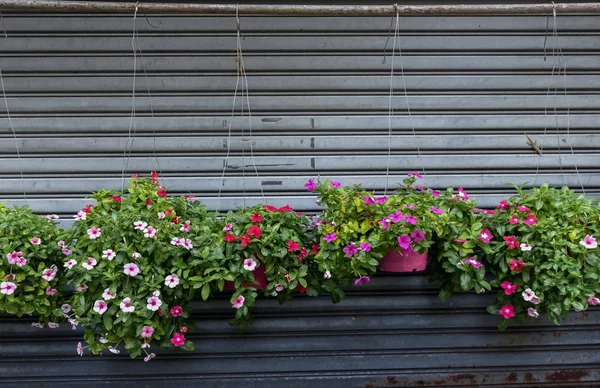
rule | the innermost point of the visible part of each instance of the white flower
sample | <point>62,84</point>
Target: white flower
<point>161,215</point>
<point>37,324</point>
<point>149,357</point>
<point>107,295</point>
<point>102,340</point>
<point>113,350</point>
<point>150,232</point>
<point>126,306</point>
<point>136,255</point>
<point>176,241</point>
<point>278,287</point>
<point>156,293</point>
<point>589,242</point>
<point>62,244</point>
<point>172,280</point>
<point>100,307</point>
<point>525,247</point>
<point>327,275</point>
<point>187,244</point>
<point>66,308</point>
<point>140,225</point>
<point>108,254</point>
<point>145,345</point>
<point>249,264</point>
<point>69,264</point>
<point>53,325</point>
<point>529,296</point>
<point>274,293</point>
<point>131,269</point>
<point>532,312</point>
<point>79,349</point>
<point>7,288</point>
<point>49,273</point>
<point>73,323</point>
<point>90,264</point>
<point>81,287</point>
<point>81,215</point>
<point>153,303</point>
<point>94,233</point>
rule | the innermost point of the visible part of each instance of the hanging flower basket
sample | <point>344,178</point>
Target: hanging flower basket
<point>397,261</point>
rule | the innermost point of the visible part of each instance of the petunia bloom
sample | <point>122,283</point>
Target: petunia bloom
<point>250,264</point>
<point>239,302</point>
<point>589,242</point>
<point>172,280</point>
<point>507,311</point>
<point>509,288</point>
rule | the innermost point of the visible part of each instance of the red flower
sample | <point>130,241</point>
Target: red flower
<point>303,254</point>
<point>169,211</point>
<point>87,209</point>
<point>516,265</point>
<point>117,198</point>
<point>292,246</point>
<point>134,176</point>
<point>154,177</point>
<point>176,311</point>
<point>514,220</point>
<point>511,242</point>
<point>178,340</point>
<point>229,237</point>
<point>176,220</point>
<point>269,208</point>
<point>315,248</point>
<point>503,205</point>
<point>254,231</point>
<point>161,193</point>
<point>531,220</point>
<point>245,240</point>
<point>299,214</point>
<point>256,217</point>
<point>301,289</point>
<point>523,209</point>
<point>285,208</point>
<point>148,202</point>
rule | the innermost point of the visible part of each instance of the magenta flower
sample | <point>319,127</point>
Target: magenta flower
<point>365,247</point>
<point>507,311</point>
<point>335,184</point>
<point>94,233</point>
<point>503,205</point>
<point>473,262</point>
<point>35,241</point>
<point>593,301</point>
<point>100,307</point>
<point>21,262</point>
<point>513,220</point>
<point>417,236</point>
<point>147,332</point>
<point>369,201</point>
<point>435,193</point>
<point>396,217</point>
<point>310,185</point>
<point>176,311</point>
<point>330,237</point>
<point>411,220</point>
<point>183,329</point>
<point>178,340</point>
<point>523,209</point>
<point>385,223</point>
<point>239,302</point>
<point>404,241</point>
<point>589,242</point>
<point>509,288</point>
<point>381,200</point>
<point>50,291</point>
<point>516,265</point>
<point>350,249</point>
<point>412,207</point>
<point>530,220</point>
<point>415,174</point>
<point>511,242</point>
<point>13,257</point>
<point>490,212</point>
<point>435,210</point>
<point>462,194</point>
<point>362,280</point>
<point>485,236</point>
<point>7,288</point>
<point>131,269</point>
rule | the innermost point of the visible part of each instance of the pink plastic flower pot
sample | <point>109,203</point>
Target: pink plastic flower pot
<point>259,276</point>
<point>395,261</point>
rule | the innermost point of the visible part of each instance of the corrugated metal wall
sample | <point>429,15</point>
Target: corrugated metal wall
<point>319,93</point>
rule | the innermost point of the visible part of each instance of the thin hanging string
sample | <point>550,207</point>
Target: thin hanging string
<point>237,84</point>
<point>132,117</point>
<point>564,59</point>
<point>239,69</point>
<point>245,79</point>
<point>390,104</point>
<point>555,52</point>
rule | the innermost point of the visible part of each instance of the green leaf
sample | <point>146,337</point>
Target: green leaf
<point>205,291</point>
<point>465,281</point>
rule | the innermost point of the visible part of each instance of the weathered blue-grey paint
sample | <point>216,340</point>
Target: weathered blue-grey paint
<point>319,90</point>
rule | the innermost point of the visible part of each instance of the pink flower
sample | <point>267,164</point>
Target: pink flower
<point>278,287</point>
<point>411,220</point>
<point>435,210</point>
<point>513,220</point>
<point>183,329</point>
<point>462,194</point>
<point>335,184</point>
<point>404,241</point>
<point>93,233</point>
<point>507,311</point>
<point>368,200</point>
<point>511,242</point>
<point>7,288</point>
<point>385,223</point>
<point>141,225</point>
<point>473,262</point>
<point>365,247</point>
<point>51,216</point>
<point>330,237</point>
<point>100,307</point>
<point>50,291</point>
<point>532,312</point>
<point>396,217</point>
<point>239,302</point>
<point>177,241</point>
<point>485,236</point>
<point>126,306</point>
<point>417,236</point>
<point>176,311</point>
<point>69,264</point>
<point>13,257</point>
<point>509,288</point>
<point>435,193</point>
<point>108,254</point>
<point>172,280</point>
<point>150,232</point>
<point>10,276</point>
<point>136,255</point>
<point>589,242</point>
<point>149,357</point>
<point>228,227</point>
<point>147,332</point>
<point>185,227</point>
<point>66,308</point>
<point>186,243</point>
<point>107,295</point>
<point>67,252</point>
<point>362,280</point>
<point>80,349</point>
<point>310,185</point>
<point>131,269</point>
<point>415,174</point>
<point>161,215</point>
<point>350,249</point>
<point>90,264</point>
<point>81,287</point>
<point>292,246</point>
<point>490,212</point>
<point>37,324</point>
<point>503,205</point>
<point>516,265</point>
<point>412,207</point>
<point>53,325</point>
<point>523,209</point>
<point>178,339</point>
<point>249,264</point>
<point>530,220</point>
<point>81,215</point>
<point>593,301</point>
<point>529,296</point>
<point>153,303</point>
<point>21,262</point>
<point>35,241</point>
<point>62,244</point>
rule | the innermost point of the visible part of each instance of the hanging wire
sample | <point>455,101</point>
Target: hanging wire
<point>390,106</point>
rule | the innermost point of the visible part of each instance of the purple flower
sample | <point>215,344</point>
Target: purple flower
<point>435,210</point>
<point>417,236</point>
<point>435,193</point>
<point>362,280</point>
<point>415,174</point>
<point>369,201</point>
<point>411,220</point>
<point>396,217</point>
<point>404,241</point>
<point>335,184</point>
<point>350,249</point>
<point>381,200</point>
<point>474,262</point>
<point>462,194</point>
<point>385,223</point>
<point>310,185</point>
<point>409,206</point>
<point>365,247</point>
<point>330,237</point>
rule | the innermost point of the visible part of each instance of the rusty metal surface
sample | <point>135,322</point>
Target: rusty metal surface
<point>300,10</point>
